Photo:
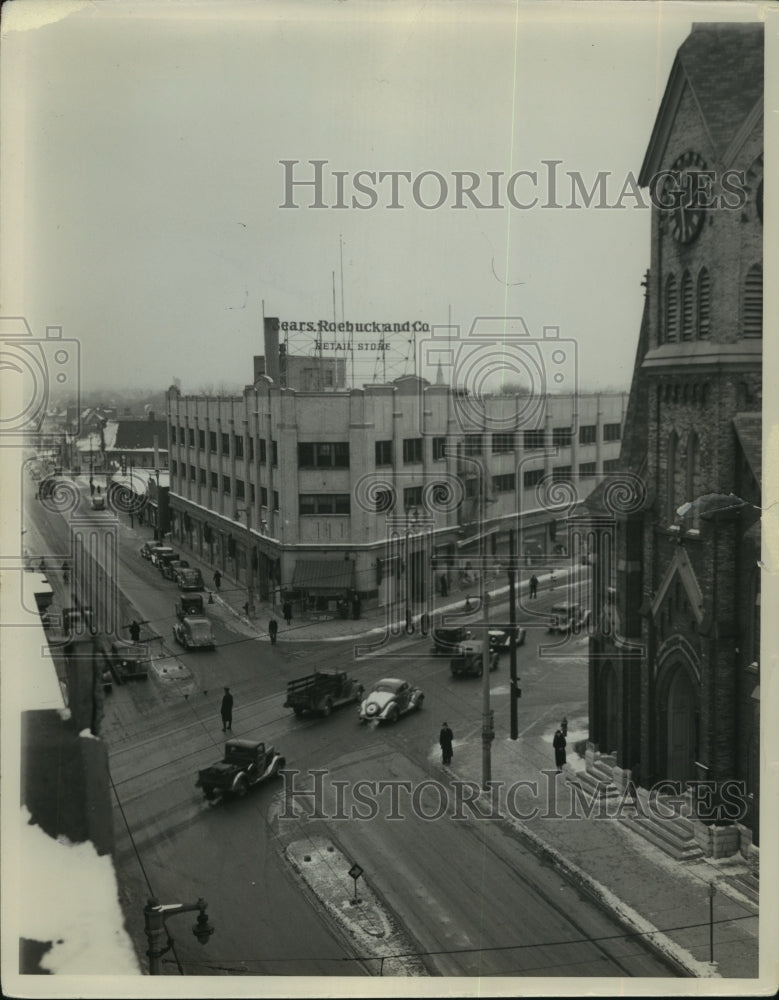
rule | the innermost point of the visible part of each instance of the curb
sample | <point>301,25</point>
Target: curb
<point>685,964</point>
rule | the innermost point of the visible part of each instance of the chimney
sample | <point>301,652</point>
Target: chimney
<point>272,348</point>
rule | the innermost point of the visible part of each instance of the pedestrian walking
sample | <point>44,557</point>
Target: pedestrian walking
<point>559,743</point>
<point>445,738</point>
<point>273,628</point>
<point>135,630</point>
<point>533,586</point>
<point>227,711</point>
<point>564,727</point>
<point>217,580</point>
<point>287,611</point>
<point>552,581</point>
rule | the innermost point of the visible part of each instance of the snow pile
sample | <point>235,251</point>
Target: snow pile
<point>70,899</point>
<point>326,872</point>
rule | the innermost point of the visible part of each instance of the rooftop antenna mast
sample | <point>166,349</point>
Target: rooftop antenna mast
<point>343,313</point>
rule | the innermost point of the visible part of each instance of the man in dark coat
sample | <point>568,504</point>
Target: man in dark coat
<point>533,586</point>
<point>445,738</point>
<point>287,611</point>
<point>273,628</point>
<point>227,711</point>
<point>217,579</point>
<point>559,743</point>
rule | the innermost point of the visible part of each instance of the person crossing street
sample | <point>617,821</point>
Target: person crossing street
<point>445,738</point>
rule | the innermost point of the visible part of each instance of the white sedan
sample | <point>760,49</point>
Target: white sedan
<point>390,699</point>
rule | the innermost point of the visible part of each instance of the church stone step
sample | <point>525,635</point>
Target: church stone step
<point>668,835</point>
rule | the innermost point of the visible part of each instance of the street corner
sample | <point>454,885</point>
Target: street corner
<point>338,885</point>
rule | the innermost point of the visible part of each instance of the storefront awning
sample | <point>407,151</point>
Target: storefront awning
<point>323,575</point>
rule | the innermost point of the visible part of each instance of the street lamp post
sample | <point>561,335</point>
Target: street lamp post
<point>160,941</point>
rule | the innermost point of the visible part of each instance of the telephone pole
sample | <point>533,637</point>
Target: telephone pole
<point>514,691</point>
<point>488,730</point>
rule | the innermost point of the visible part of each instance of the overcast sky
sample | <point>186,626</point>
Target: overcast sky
<point>146,216</point>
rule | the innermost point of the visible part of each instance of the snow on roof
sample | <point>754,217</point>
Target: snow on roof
<point>71,899</point>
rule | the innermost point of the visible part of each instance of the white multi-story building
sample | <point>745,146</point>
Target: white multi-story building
<point>382,492</point>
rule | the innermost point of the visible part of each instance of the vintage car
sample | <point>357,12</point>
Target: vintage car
<point>189,578</point>
<point>159,552</point>
<point>170,567</point>
<point>162,557</point>
<point>148,549</point>
<point>190,604</point>
<point>129,661</point>
<point>468,661</point>
<point>446,640</point>
<point>321,692</point>
<point>245,764</point>
<point>500,638</point>
<point>78,620</point>
<point>390,699</point>
<point>194,632</point>
<point>568,618</point>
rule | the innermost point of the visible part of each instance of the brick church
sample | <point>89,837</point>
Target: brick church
<point>674,685</point>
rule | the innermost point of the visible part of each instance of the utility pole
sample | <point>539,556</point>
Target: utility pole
<point>514,691</point>
<point>487,731</point>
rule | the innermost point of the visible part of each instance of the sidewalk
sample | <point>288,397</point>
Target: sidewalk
<point>372,623</point>
<point>665,901</point>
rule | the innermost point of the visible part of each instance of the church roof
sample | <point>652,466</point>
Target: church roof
<point>723,65</point>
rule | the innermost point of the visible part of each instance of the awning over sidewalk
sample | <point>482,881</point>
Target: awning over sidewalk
<point>323,575</point>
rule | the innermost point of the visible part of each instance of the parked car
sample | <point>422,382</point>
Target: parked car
<point>446,640</point>
<point>190,604</point>
<point>194,632</point>
<point>148,549</point>
<point>170,567</point>
<point>322,692</point>
<point>78,619</point>
<point>160,552</point>
<point>568,618</point>
<point>129,661</point>
<point>245,764</point>
<point>469,660</point>
<point>390,698</point>
<point>189,578</point>
<point>162,558</point>
<point>500,638</point>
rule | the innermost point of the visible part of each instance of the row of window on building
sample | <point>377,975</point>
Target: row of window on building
<point>335,454</point>
<point>688,305</point>
<point>337,503</point>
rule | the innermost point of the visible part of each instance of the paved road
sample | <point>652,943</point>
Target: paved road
<point>469,895</point>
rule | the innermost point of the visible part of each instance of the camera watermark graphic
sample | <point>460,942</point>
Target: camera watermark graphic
<point>314,794</point>
<point>33,372</point>
<point>496,350</point>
